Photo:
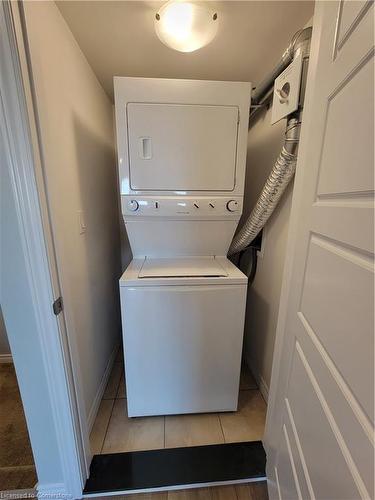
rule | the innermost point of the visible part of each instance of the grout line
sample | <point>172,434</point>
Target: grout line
<point>106,430</point>
<point>118,384</point>
<point>221,427</point>
<point>236,492</point>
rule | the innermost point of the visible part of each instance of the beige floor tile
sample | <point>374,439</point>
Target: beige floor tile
<point>100,425</point>
<point>121,393</point>
<point>113,382</point>
<point>224,493</point>
<point>252,491</point>
<point>192,430</point>
<point>191,494</point>
<point>132,434</point>
<point>247,424</point>
<point>247,380</point>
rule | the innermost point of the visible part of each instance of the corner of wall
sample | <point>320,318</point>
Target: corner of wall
<point>261,383</point>
<point>263,297</point>
<point>103,384</point>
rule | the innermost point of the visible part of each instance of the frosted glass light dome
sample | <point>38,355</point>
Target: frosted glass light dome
<point>186,26</point>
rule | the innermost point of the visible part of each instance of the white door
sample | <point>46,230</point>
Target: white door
<point>319,433</point>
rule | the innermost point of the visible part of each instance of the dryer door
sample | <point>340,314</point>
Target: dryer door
<point>182,147</point>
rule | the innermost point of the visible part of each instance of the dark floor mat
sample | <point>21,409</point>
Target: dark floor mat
<point>176,467</point>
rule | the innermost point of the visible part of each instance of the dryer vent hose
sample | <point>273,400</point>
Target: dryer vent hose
<point>281,173</point>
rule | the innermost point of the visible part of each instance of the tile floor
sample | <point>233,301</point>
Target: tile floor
<point>114,432</point>
<point>249,491</point>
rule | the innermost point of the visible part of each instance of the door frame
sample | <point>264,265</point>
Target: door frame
<point>69,345</point>
<point>20,127</point>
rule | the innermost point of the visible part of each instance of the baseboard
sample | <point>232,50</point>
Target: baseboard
<point>6,358</point>
<point>261,383</point>
<point>263,387</point>
<point>103,384</point>
<point>51,490</point>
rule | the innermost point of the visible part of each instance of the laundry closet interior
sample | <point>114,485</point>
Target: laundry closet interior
<point>152,158</point>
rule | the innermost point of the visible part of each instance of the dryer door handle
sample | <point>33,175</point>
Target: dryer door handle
<point>145,148</point>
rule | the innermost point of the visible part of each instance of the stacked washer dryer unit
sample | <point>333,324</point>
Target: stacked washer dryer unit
<point>182,154</point>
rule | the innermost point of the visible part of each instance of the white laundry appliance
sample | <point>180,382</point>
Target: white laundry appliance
<point>182,154</point>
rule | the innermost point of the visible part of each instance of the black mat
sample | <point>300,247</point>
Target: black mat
<point>176,467</point>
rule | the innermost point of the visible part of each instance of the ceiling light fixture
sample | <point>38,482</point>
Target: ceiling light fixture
<point>186,26</point>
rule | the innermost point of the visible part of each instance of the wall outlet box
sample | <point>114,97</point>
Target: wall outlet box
<point>286,90</point>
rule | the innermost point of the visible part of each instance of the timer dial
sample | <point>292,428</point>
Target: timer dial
<point>232,206</point>
<point>133,205</point>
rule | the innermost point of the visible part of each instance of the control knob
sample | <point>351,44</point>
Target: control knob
<point>133,205</point>
<point>232,205</point>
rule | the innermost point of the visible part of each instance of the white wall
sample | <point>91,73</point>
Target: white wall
<point>4,344</point>
<point>77,143</point>
<point>264,145</point>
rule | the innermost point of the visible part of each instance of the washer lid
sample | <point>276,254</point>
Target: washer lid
<point>229,273</point>
<point>181,267</point>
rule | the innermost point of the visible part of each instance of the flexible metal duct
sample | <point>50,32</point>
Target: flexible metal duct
<point>285,165</point>
<point>279,178</point>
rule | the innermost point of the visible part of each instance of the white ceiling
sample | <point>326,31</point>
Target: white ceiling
<point>118,38</point>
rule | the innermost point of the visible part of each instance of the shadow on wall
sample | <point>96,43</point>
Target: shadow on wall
<point>95,274</point>
<point>97,180</point>
<point>264,145</point>
<point>4,344</point>
<point>256,304</point>
<point>126,253</point>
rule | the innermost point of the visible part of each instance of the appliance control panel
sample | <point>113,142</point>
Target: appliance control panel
<point>168,206</point>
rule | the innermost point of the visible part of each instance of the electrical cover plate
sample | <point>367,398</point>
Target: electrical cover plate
<point>286,90</point>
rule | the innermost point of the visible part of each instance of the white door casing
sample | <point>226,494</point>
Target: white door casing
<point>320,425</point>
<point>62,470</point>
